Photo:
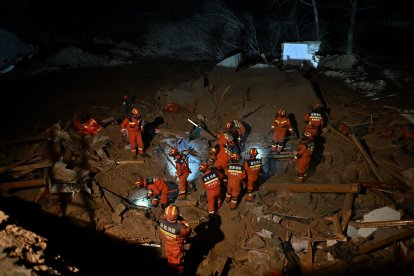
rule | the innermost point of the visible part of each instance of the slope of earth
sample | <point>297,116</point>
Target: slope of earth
<point>95,231</point>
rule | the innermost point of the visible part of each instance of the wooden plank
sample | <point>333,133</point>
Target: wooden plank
<point>25,140</point>
<point>123,162</point>
<point>367,157</point>
<point>312,188</point>
<point>389,223</point>
<point>30,167</point>
<point>373,246</point>
<point>32,183</point>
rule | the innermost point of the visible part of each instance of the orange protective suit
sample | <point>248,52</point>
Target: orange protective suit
<point>253,168</point>
<point>211,183</point>
<point>173,234</point>
<point>135,129</point>
<point>182,172</point>
<point>314,122</point>
<point>303,158</point>
<point>235,175</point>
<point>159,189</point>
<point>223,158</point>
<point>281,125</point>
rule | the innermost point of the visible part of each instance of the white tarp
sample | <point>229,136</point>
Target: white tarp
<point>296,52</point>
<point>231,62</point>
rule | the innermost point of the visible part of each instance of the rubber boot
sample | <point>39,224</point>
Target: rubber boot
<point>249,197</point>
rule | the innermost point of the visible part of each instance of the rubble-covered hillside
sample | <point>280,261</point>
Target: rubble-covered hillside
<point>72,205</point>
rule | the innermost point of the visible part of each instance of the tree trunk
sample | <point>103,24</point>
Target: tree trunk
<point>350,40</point>
<point>317,25</point>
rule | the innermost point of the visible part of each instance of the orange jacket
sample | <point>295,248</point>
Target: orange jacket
<point>132,125</point>
<point>181,165</point>
<point>211,180</point>
<point>305,149</point>
<point>159,188</point>
<point>235,174</point>
<point>281,125</point>
<point>314,120</point>
<point>253,168</point>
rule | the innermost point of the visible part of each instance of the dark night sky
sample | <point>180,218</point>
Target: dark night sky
<point>126,20</point>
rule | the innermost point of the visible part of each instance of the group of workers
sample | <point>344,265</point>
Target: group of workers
<point>222,171</point>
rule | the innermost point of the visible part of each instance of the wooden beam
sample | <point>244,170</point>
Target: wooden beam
<point>25,140</point>
<point>31,167</point>
<point>32,183</point>
<point>123,162</point>
<point>389,223</point>
<point>312,188</point>
<point>367,157</point>
<point>373,246</point>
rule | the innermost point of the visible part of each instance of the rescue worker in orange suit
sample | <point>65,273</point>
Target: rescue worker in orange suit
<point>157,190</point>
<point>133,127</point>
<point>238,131</point>
<point>303,156</point>
<point>182,171</point>
<point>281,126</point>
<point>223,138</point>
<point>223,156</point>
<point>314,121</point>
<point>253,168</point>
<point>174,230</point>
<point>235,175</point>
<point>211,183</point>
<point>86,124</point>
<point>212,157</point>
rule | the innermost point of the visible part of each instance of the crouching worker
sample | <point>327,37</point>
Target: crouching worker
<point>174,231</point>
<point>157,190</point>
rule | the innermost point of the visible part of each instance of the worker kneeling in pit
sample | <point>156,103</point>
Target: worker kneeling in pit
<point>157,190</point>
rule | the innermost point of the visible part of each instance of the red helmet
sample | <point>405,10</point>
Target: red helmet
<point>171,212</point>
<point>307,135</point>
<point>136,112</point>
<point>253,152</point>
<point>235,157</point>
<point>173,152</point>
<point>281,112</point>
<point>203,167</point>
<point>140,182</point>
<point>229,125</point>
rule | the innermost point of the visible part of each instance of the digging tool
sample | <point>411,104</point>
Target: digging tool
<point>202,127</point>
<point>166,156</point>
<point>124,200</point>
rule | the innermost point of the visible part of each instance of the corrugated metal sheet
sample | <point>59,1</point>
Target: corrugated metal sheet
<point>12,50</point>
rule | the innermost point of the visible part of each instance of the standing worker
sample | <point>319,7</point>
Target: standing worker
<point>303,156</point>
<point>174,231</point>
<point>211,183</point>
<point>157,190</point>
<point>182,171</point>
<point>314,121</point>
<point>280,126</point>
<point>253,168</point>
<point>235,175</point>
<point>224,154</point>
<point>133,127</point>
